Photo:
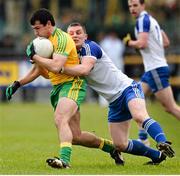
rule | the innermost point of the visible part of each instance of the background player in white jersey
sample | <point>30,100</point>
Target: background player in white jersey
<point>125,97</point>
<point>151,41</point>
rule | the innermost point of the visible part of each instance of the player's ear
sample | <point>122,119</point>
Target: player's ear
<point>86,36</point>
<point>49,23</point>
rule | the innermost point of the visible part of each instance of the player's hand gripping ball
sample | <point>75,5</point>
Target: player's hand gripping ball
<point>41,46</point>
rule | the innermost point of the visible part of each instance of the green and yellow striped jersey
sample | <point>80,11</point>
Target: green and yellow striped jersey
<point>63,44</point>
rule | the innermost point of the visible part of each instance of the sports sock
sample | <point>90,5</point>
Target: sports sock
<point>142,134</point>
<point>106,145</point>
<point>138,148</point>
<point>154,130</point>
<point>65,151</point>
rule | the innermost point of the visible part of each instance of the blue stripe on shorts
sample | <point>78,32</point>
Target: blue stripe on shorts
<point>118,110</point>
<point>157,79</point>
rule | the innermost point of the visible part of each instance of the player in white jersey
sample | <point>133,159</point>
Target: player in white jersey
<point>151,41</point>
<point>125,97</point>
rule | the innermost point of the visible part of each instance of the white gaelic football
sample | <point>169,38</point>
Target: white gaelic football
<point>43,47</point>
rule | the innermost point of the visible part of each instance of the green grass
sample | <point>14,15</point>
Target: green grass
<point>28,137</point>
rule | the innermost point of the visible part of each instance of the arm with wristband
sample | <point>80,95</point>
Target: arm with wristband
<point>126,39</point>
<point>140,43</point>
<point>12,89</point>
<point>32,75</point>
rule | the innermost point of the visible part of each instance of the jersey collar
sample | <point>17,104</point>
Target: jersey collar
<point>55,29</point>
<point>143,13</point>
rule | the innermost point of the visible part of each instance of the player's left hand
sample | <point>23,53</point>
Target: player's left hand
<point>30,52</point>
<point>12,89</point>
<point>127,39</point>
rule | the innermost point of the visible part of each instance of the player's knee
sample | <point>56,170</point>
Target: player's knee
<point>57,121</point>
<point>139,118</point>
<point>169,108</point>
<point>60,121</point>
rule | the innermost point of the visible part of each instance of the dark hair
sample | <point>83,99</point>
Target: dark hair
<point>78,24</point>
<point>43,16</point>
<point>142,1</point>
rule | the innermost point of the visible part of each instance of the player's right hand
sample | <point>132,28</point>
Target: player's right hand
<point>12,89</point>
<point>30,52</point>
<point>127,39</point>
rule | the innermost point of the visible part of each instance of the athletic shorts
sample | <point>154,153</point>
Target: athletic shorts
<point>75,90</point>
<point>157,79</point>
<point>118,110</point>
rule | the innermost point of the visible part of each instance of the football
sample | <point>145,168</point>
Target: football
<point>43,47</point>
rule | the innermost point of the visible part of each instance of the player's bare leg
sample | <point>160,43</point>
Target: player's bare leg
<point>145,88</point>
<point>65,110</point>
<point>166,98</point>
<point>120,132</point>
<point>90,140</point>
<point>142,135</point>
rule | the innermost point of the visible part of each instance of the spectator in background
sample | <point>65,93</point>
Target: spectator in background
<point>7,42</point>
<point>114,48</point>
<point>97,10</point>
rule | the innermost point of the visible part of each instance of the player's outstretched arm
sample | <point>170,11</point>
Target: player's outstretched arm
<point>32,75</point>
<point>12,89</point>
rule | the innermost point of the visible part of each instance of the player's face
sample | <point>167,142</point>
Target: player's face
<point>135,7</point>
<point>78,35</point>
<point>40,30</point>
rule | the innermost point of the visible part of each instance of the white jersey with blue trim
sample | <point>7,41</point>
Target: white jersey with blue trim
<point>104,78</point>
<point>153,55</point>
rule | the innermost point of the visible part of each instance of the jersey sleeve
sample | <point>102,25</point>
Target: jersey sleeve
<point>92,49</point>
<point>143,24</point>
<point>65,45</point>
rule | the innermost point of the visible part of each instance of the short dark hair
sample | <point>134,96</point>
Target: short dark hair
<point>43,16</point>
<point>142,1</point>
<point>78,24</point>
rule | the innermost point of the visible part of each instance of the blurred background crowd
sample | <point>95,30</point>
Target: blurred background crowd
<point>104,19</point>
<point>98,15</point>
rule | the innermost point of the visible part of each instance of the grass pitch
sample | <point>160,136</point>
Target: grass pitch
<point>28,137</point>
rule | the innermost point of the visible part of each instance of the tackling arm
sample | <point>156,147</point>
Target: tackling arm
<point>82,69</point>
